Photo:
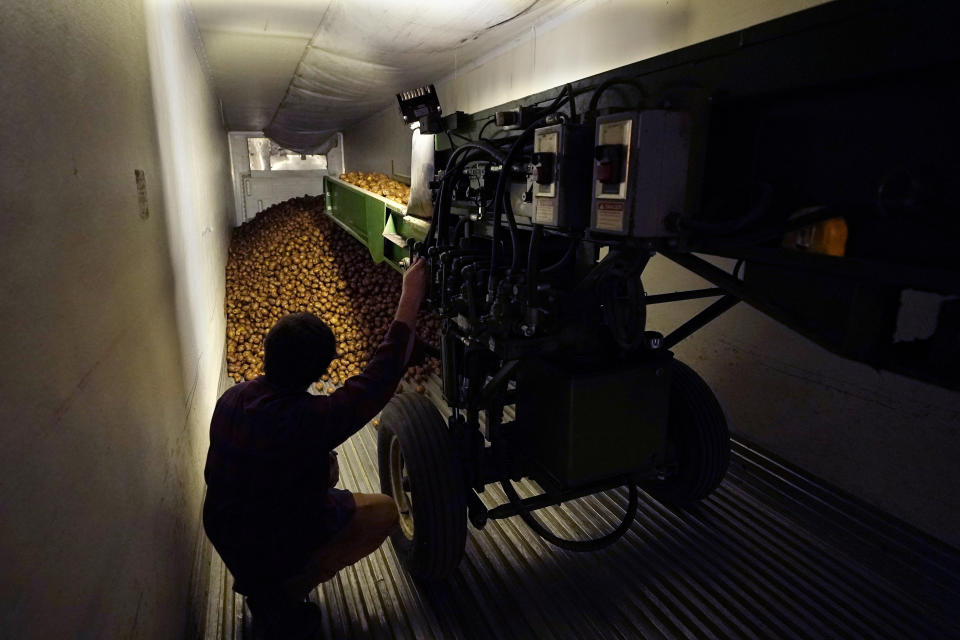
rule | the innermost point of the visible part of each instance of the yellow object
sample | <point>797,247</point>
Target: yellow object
<point>828,237</point>
<point>379,184</point>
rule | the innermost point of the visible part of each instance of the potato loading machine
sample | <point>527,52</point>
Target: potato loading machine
<point>832,183</point>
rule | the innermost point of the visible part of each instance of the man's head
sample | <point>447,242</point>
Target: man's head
<point>298,350</point>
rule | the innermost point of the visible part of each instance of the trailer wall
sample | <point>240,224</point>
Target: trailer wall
<point>112,323</point>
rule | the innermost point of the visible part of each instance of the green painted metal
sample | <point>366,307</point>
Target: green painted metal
<point>410,227</point>
<point>359,213</point>
<point>381,225</point>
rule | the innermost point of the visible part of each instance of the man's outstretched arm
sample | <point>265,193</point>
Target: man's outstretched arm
<point>362,396</point>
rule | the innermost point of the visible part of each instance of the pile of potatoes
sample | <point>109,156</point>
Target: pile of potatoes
<point>379,184</point>
<point>292,258</point>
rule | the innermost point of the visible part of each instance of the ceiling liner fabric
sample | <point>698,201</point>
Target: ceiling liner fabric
<point>364,52</point>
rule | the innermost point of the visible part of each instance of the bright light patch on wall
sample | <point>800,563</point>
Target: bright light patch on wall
<point>297,162</point>
<point>188,127</point>
<point>267,155</point>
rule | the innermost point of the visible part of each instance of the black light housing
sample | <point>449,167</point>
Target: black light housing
<point>421,106</point>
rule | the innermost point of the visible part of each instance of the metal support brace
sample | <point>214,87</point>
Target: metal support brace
<point>738,289</point>
<point>550,499</point>
<point>695,294</point>
<point>700,320</point>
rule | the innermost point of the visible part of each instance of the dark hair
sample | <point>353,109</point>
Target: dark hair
<point>298,350</point>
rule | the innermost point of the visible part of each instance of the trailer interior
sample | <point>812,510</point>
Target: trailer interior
<point>689,347</point>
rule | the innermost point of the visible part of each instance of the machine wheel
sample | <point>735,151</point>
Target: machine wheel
<point>697,432</point>
<point>419,470</point>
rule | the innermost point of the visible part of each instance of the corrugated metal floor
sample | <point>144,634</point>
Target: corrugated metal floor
<point>769,555</point>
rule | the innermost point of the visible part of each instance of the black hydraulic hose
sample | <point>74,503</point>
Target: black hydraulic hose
<point>442,208</point>
<point>566,256</point>
<point>550,108</point>
<point>456,230</point>
<point>573,103</point>
<point>480,145</point>
<point>533,258</point>
<point>499,206</point>
<point>512,227</point>
<point>573,545</point>
<point>443,199</point>
<point>502,193</point>
<point>486,124</point>
<point>606,84</point>
<point>498,210</point>
<point>514,247</point>
<point>502,181</point>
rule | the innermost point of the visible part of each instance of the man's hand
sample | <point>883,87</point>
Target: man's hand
<point>415,281</point>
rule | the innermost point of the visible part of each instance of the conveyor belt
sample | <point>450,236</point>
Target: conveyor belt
<point>769,555</point>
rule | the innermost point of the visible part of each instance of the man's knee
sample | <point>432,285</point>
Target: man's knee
<point>386,515</point>
<point>391,516</point>
<point>377,513</point>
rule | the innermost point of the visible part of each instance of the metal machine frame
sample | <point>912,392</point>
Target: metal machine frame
<point>508,319</point>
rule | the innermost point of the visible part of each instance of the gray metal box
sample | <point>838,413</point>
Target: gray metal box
<point>563,201</point>
<point>640,176</point>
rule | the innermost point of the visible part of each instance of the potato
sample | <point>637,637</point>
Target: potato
<point>291,258</point>
<point>379,184</point>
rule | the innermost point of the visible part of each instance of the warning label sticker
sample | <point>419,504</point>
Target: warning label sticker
<point>545,212</point>
<point>610,216</point>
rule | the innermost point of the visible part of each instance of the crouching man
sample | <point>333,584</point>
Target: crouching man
<point>271,510</point>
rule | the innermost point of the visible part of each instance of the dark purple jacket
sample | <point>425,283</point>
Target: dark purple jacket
<point>268,505</point>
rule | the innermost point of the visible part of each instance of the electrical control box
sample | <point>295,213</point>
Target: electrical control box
<point>640,172</point>
<point>560,175</point>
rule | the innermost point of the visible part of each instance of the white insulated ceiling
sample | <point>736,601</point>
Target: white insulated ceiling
<point>301,70</point>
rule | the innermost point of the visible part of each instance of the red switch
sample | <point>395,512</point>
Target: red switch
<point>605,172</point>
<point>543,163</point>
<point>609,163</point>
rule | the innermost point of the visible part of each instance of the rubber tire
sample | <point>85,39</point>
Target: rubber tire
<point>698,430</point>
<point>436,486</point>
